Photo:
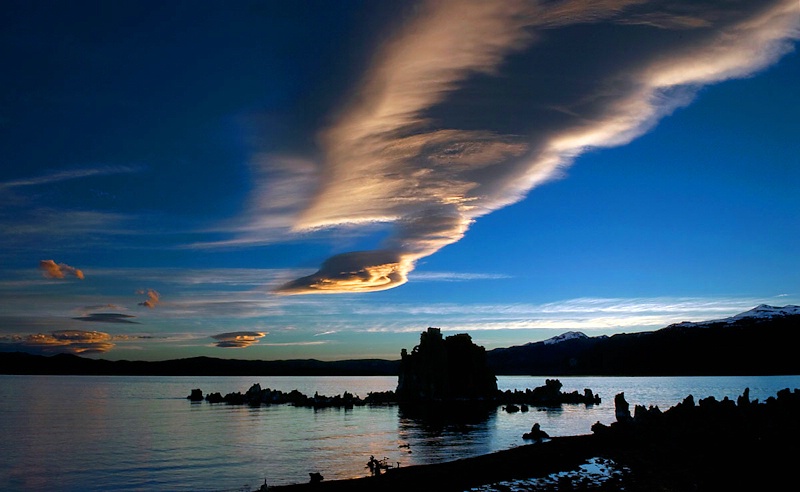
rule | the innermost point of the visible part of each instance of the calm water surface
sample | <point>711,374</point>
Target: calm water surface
<point>140,433</point>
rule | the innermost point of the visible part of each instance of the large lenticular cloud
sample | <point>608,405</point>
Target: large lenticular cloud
<point>473,103</point>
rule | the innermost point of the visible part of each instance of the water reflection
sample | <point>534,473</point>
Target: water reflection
<point>445,431</point>
<point>140,433</point>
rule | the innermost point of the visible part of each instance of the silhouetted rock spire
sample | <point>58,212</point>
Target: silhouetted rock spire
<point>445,369</point>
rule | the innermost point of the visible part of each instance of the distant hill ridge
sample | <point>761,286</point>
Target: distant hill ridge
<point>761,341</point>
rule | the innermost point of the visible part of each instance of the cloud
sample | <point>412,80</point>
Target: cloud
<point>325,333</point>
<point>472,104</point>
<point>153,298</point>
<point>70,341</point>
<point>28,222</point>
<point>107,318</point>
<point>32,224</point>
<point>57,176</point>
<point>296,344</point>
<point>353,272</point>
<point>284,182</point>
<point>570,314</point>
<point>457,277</point>
<point>51,269</point>
<point>238,339</point>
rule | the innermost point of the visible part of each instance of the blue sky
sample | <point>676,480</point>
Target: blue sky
<point>326,179</point>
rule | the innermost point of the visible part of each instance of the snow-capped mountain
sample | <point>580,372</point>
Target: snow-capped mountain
<point>760,312</point>
<point>760,341</point>
<point>765,311</point>
<point>570,335</point>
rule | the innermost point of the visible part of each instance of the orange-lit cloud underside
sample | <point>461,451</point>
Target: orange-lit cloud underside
<point>394,157</point>
<point>51,269</point>
<point>71,341</point>
<point>238,339</point>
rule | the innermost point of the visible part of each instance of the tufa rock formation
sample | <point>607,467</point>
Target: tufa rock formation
<point>445,369</point>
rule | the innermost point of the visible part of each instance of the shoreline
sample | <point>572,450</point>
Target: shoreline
<point>526,461</point>
<point>712,445</point>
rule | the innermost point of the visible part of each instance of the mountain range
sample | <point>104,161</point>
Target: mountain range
<point>761,341</point>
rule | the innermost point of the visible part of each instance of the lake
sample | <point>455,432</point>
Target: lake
<point>141,433</point>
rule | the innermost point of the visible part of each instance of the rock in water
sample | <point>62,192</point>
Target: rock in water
<point>445,369</point>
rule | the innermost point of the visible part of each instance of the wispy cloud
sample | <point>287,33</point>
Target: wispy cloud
<point>284,183</point>
<point>31,216</point>
<point>571,314</point>
<point>325,333</point>
<point>65,175</point>
<point>417,150</point>
<point>237,339</point>
<point>51,269</point>
<point>457,277</point>
<point>295,344</point>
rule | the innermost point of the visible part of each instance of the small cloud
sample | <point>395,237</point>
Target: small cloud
<point>107,318</point>
<point>237,339</point>
<point>458,277</point>
<point>330,332</point>
<point>153,298</point>
<point>70,341</point>
<point>51,269</point>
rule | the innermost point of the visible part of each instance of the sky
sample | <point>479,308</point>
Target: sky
<point>314,179</point>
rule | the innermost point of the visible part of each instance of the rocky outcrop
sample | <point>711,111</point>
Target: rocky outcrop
<point>437,370</point>
<point>549,395</point>
<point>536,433</point>
<point>195,395</point>
<point>709,446</point>
<point>440,369</point>
<point>256,396</point>
<point>622,410</point>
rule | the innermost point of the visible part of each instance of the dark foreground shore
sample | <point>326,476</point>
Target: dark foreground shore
<point>709,445</point>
